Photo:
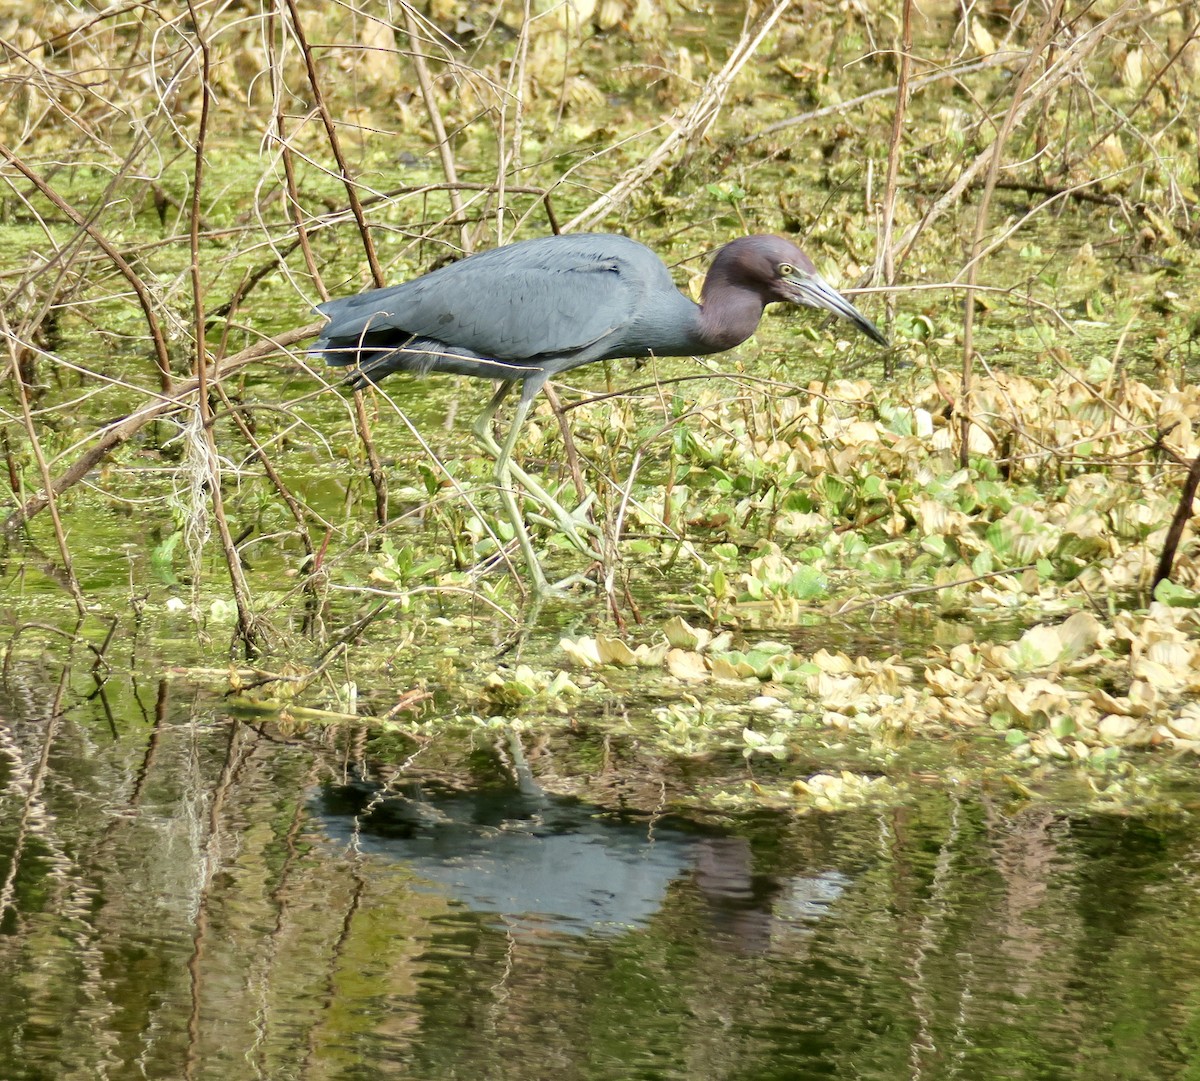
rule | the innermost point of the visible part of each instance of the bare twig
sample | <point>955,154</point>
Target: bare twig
<point>335,145</point>
<point>1047,31</point>
<point>432,110</point>
<point>895,145</point>
<point>114,434</point>
<point>692,125</point>
<point>291,192</point>
<point>248,631</point>
<point>1183,515</point>
<point>36,446</point>
<point>161,355</point>
<point>914,591</point>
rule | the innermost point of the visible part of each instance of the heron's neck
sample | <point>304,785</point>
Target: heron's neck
<point>729,314</point>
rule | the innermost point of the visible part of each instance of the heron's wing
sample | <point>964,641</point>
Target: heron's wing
<point>553,297</point>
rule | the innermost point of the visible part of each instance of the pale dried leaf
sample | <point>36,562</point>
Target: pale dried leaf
<point>834,663</point>
<point>947,684</point>
<point>1185,726</point>
<point>581,651</point>
<point>683,636</point>
<point>1159,676</point>
<point>377,59</point>
<point>1133,69</point>
<point>686,664</point>
<point>724,669</point>
<point>614,651</point>
<point>1175,655</point>
<point>1116,728</point>
<point>982,38</point>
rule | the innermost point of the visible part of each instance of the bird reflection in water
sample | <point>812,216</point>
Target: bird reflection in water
<point>557,864</point>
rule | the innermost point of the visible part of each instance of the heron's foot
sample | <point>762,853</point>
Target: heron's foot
<point>571,522</point>
<point>565,587</point>
<point>537,584</point>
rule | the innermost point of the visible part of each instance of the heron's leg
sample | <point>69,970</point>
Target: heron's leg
<point>483,424</point>
<point>504,483</point>
<point>483,432</point>
<point>569,523</point>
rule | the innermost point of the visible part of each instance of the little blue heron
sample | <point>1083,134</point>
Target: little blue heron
<point>527,311</point>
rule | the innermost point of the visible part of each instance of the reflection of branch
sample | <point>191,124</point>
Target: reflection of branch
<point>113,435</point>
<point>31,778</point>
<point>692,125</point>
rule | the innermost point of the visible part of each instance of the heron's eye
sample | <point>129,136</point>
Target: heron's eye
<point>786,270</point>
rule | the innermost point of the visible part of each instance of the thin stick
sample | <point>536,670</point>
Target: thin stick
<point>375,471</point>
<point>60,535</point>
<point>995,60</point>
<point>1183,515</point>
<point>378,478</point>
<point>161,355</point>
<point>916,590</point>
<point>291,192</point>
<point>247,631</point>
<point>285,493</point>
<point>893,171</point>
<point>1047,31</point>
<point>1151,83</point>
<point>113,435</point>
<point>335,146</point>
<point>693,124</point>
<point>511,158</point>
<point>572,453</point>
<point>1066,64</point>
<point>441,140</point>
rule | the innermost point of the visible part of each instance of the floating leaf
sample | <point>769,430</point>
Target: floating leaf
<point>683,636</point>
<point>757,743</point>
<point>723,668</point>
<point>582,651</point>
<point>614,651</point>
<point>1044,646</point>
<point>686,664</point>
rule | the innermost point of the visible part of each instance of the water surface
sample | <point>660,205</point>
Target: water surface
<point>188,895</point>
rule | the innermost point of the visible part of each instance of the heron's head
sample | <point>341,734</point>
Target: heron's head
<point>779,271</point>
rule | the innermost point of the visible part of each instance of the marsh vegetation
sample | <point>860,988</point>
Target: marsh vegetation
<point>824,577</point>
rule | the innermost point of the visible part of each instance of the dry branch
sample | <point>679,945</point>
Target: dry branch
<point>1047,31</point>
<point>161,355</point>
<point>335,145</point>
<point>895,145</point>
<point>440,138</point>
<point>248,629</point>
<point>692,125</point>
<point>1065,66</point>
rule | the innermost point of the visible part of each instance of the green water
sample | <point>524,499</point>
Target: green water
<point>188,895</point>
